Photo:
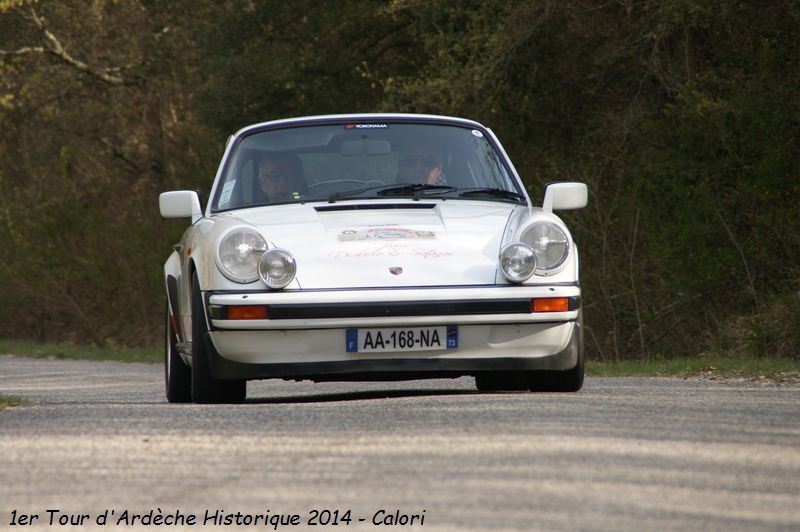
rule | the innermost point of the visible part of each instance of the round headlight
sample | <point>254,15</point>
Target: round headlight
<point>549,242</point>
<point>517,262</point>
<point>238,253</point>
<point>277,268</point>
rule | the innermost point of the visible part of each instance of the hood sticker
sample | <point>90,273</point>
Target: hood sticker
<point>392,249</point>
<point>385,233</point>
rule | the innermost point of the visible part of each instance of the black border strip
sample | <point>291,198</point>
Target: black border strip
<point>403,308</point>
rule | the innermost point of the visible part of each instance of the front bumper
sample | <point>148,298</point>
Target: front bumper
<point>401,366</point>
<point>307,341</point>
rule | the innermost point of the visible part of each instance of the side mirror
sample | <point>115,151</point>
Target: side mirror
<point>565,196</point>
<point>180,204</point>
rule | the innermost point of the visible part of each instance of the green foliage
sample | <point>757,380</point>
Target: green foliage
<point>65,351</point>
<point>776,369</point>
<point>8,402</point>
<point>683,116</point>
<point>278,59</point>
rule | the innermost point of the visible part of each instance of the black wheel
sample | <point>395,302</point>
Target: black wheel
<point>497,381</point>
<point>205,387</point>
<point>568,380</point>
<point>177,375</point>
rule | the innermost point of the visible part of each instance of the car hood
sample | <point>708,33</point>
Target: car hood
<point>387,244</point>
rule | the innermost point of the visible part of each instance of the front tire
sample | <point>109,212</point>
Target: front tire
<point>205,387</point>
<point>501,381</point>
<point>568,380</point>
<point>177,375</point>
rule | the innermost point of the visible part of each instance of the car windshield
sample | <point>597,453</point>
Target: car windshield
<point>333,162</point>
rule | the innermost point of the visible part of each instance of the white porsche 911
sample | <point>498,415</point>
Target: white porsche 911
<point>371,247</point>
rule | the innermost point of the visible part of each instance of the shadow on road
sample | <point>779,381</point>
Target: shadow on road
<point>355,396</point>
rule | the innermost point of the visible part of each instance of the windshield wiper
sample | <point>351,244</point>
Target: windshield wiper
<point>494,192</point>
<point>417,189</point>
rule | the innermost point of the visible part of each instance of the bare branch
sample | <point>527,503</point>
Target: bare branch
<point>631,263</point>
<point>750,282</point>
<point>22,51</point>
<point>55,47</point>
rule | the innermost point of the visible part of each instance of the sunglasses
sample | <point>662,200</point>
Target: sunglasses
<point>426,160</point>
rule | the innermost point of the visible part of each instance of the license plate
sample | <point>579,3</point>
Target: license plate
<point>405,339</point>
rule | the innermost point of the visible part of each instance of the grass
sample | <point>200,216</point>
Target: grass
<point>7,402</point>
<point>80,352</point>
<point>713,366</point>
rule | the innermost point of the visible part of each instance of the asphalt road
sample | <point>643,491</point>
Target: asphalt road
<point>622,454</point>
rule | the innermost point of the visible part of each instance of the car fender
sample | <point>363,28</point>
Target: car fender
<point>172,276</point>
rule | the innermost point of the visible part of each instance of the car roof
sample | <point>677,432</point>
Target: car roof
<point>359,117</point>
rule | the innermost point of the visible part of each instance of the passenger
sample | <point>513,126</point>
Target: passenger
<point>281,177</point>
<point>421,164</point>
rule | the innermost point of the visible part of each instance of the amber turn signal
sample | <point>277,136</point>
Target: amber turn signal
<point>550,304</point>
<point>248,312</point>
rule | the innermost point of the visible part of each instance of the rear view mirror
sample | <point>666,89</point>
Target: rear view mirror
<point>565,196</point>
<point>365,147</point>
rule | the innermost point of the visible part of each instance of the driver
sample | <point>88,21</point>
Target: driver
<point>281,176</point>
